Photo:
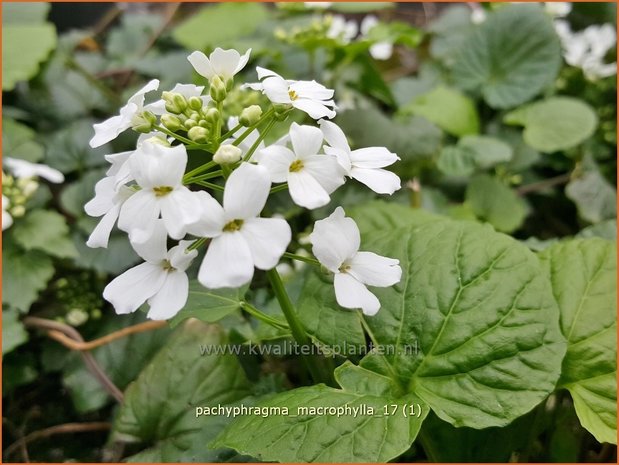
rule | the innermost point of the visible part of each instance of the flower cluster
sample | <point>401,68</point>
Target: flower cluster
<point>169,212</point>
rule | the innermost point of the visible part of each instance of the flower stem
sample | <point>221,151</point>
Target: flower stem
<point>191,174</point>
<point>298,331</point>
<point>261,137</point>
<point>197,243</point>
<point>182,139</point>
<point>281,187</point>
<point>301,258</point>
<point>232,131</point>
<point>263,316</point>
<point>210,185</point>
<point>249,130</point>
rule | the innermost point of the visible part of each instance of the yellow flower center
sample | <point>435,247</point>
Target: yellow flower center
<point>295,166</point>
<point>293,95</point>
<point>161,191</point>
<point>344,268</point>
<point>167,266</point>
<point>233,226</point>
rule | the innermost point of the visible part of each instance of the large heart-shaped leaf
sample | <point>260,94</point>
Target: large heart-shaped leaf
<point>583,273</point>
<point>511,57</point>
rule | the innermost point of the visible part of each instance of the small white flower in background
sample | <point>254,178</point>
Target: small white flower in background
<point>25,169</point>
<point>111,128</point>
<point>587,49</point>
<point>222,63</point>
<point>311,176</point>
<point>380,50</point>
<point>365,165</point>
<point>7,219</point>
<point>342,29</point>
<point>335,243</point>
<point>107,202</point>
<point>558,9</point>
<point>478,14</point>
<point>308,96</point>
<point>317,5</point>
<point>161,280</point>
<point>186,90</point>
<point>158,171</point>
<point>241,239</point>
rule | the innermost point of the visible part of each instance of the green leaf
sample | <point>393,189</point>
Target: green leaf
<point>24,275</point>
<point>556,123</point>
<point>220,25</point>
<point>209,305</point>
<point>594,196</point>
<point>118,256</point>
<point>13,332</point>
<point>605,229</point>
<point>487,151</point>
<point>68,149</point>
<point>360,7</point>
<point>448,109</point>
<point>47,231</point>
<point>455,160</point>
<point>472,328</point>
<point>24,13</point>
<point>24,47</point>
<point>494,202</point>
<point>305,436</point>
<point>127,42</point>
<point>18,142</point>
<point>510,58</point>
<point>159,407</point>
<point>449,31</point>
<point>583,273</point>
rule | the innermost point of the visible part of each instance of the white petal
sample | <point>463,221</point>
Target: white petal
<point>155,248</point>
<point>326,170</point>
<point>179,209</point>
<point>373,157</point>
<point>375,270</point>
<point>243,61</point>
<point>171,298</point>
<point>350,293</point>
<point>276,89</point>
<point>201,64</point>
<point>110,129</point>
<point>132,288</point>
<point>211,220</point>
<point>117,160</point>
<point>379,180</point>
<point>100,236</point>
<point>154,165</point>
<point>306,191</point>
<point>334,136</point>
<point>105,191</point>
<point>138,97</point>
<point>342,156</point>
<point>268,239</point>
<point>264,72</point>
<point>179,257</point>
<point>7,220</point>
<point>306,140</point>
<point>311,90</point>
<point>368,23</point>
<point>228,262</point>
<point>335,239</point>
<point>138,215</point>
<point>246,191</point>
<point>276,159</point>
<point>313,108</point>
<point>26,169</point>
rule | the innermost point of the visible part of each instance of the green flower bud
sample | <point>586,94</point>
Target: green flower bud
<point>160,140</point>
<point>172,122</point>
<point>198,134</point>
<point>227,154</point>
<point>77,317</point>
<point>194,116</point>
<point>250,115</point>
<point>212,115</point>
<point>189,124</point>
<point>143,122</point>
<point>18,211</point>
<point>195,103</point>
<point>203,123</point>
<point>217,89</point>
<point>174,103</point>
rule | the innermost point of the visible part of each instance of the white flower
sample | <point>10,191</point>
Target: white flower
<point>311,176</point>
<point>158,171</point>
<point>25,169</point>
<point>335,243</point>
<point>478,14</point>
<point>161,280</point>
<point>558,9</point>
<point>308,96</point>
<point>227,154</point>
<point>381,50</point>
<point>186,90</point>
<point>241,239</point>
<point>110,128</point>
<point>587,49</point>
<point>342,29</point>
<point>222,63</point>
<point>107,202</point>
<point>365,165</point>
<point>7,219</point>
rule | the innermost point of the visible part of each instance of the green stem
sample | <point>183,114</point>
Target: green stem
<point>249,130</point>
<point>197,243</point>
<point>210,185</point>
<point>281,187</point>
<point>426,443</point>
<point>261,137</point>
<point>198,170</point>
<point>301,258</point>
<point>182,139</point>
<point>263,316</point>
<point>204,177</point>
<point>230,133</point>
<point>296,328</point>
<point>218,124</point>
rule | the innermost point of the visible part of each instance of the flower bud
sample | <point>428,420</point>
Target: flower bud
<point>172,122</point>
<point>195,103</point>
<point>227,154</point>
<point>143,122</point>
<point>174,102</point>
<point>189,124</point>
<point>18,211</point>
<point>198,134</point>
<point>203,123</point>
<point>250,115</point>
<point>217,89</point>
<point>212,115</point>
<point>159,140</point>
